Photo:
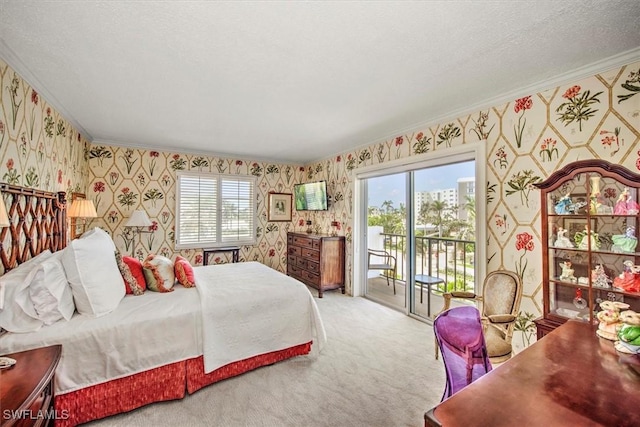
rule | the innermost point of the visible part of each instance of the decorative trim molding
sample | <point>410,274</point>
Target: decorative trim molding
<point>14,61</point>
<point>586,71</point>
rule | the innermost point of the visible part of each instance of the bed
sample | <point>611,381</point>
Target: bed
<point>239,317</point>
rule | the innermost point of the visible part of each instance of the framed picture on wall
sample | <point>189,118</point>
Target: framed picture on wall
<point>279,207</point>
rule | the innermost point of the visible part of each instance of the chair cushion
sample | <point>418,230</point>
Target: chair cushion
<point>502,318</point>
<point>499,294</point>
<point>496,345</point>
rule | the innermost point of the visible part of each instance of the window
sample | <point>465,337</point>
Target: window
<point>214,210</point>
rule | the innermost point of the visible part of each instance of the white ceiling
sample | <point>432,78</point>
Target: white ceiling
<point>295,81</point>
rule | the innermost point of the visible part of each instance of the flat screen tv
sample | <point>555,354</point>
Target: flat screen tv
<point>311,196</point>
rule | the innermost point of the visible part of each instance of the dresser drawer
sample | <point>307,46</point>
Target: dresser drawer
<point>314,267</point>
<point>310,254</point>
<point>293,270</point>
<point>311,278</point>
<point>294,250</point>
<point>292,260</point>
<point>303,241</point>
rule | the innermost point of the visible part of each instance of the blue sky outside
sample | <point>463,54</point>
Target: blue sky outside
<point>392,187</point>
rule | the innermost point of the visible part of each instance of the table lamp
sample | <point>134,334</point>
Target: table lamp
<point>81,208</point>
<point>138,220</point>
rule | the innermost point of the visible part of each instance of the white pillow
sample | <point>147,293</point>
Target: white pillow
<point>50,292</point>
<point>90,265</point>
<point>13,317</point>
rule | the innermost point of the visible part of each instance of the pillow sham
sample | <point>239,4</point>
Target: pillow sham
<point>158,273</point>
<point>184,272</point>
<point>135,265</point>
<point>50,292</point>
<point>130,281</point>
<point>13,285</point>
<point>93,274</point>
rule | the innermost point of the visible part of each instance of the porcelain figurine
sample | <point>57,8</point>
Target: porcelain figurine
<point>567,271</point>
<point>582,239</point>
<point>625,242</point>
<point>621,204</point>
<point>563,241</point>
<point>629,279</point>
<point>599,277</point>
<point>609,319</point>
<point>632,207</point>
<point>563,205</point>
<point>629,333</point>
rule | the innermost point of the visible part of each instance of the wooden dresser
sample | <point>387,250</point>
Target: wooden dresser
<point>316,260</point>
<point>27,388</point>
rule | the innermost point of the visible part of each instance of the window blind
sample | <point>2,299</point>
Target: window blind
<point>214,210</point>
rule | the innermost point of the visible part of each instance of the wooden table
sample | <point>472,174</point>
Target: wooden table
<point>425,279</point>
<point>569,378</point>
<point>235,253</point>
<point>27,388</point>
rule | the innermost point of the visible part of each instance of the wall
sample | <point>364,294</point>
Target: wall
<point>527,139</point>
<point>38,147</point>
<point>124,179</point>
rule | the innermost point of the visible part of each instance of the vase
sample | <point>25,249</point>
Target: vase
<point>595,194</point>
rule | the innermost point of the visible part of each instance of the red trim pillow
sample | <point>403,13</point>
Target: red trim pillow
<point>135,266</point>
<point>184,272</point>
<point>158,273</point>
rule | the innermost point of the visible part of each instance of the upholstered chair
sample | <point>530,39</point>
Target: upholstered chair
<point>500,304</point>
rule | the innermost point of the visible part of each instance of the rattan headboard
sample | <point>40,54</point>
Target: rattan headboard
<point>38,222</point>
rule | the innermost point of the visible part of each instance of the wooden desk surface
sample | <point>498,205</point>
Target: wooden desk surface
<point>570,378</point>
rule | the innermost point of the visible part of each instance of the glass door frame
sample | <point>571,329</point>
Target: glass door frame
<point>471,151</point>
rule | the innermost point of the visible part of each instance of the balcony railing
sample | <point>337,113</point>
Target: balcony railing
<point>452,260</point>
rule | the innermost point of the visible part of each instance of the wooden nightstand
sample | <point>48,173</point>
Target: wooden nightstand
<point>27,388</point>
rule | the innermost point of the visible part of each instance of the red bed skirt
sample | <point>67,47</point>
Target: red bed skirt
<point>167,382</point>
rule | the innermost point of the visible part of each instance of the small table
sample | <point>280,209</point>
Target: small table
<point>27,388</point>
<point>425,279</point>
<point>235,253</point>
<point>570,377</point>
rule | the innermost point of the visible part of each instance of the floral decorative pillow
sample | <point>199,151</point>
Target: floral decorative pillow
<point>131,282</point>
<point>184,272</point>
<point>158,273</point>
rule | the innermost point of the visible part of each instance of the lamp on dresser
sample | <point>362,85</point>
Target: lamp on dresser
<point>137,221</point>
<point>81,208</point>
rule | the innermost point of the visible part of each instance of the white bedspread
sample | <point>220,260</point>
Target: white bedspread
<point>144,332</point>
<point>250,309</point>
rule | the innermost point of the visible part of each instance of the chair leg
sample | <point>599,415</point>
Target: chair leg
<point>394,284</point>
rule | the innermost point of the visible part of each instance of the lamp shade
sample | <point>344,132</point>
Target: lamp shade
<point>4,219</point>
<point>82,209</point>
<point>138,218</point>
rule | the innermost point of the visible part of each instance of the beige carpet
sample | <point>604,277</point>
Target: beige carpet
<point>377,369</point>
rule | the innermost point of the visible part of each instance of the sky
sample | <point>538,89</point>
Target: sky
<point>392,187</point>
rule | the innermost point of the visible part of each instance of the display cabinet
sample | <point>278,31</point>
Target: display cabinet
<point>590,222</point>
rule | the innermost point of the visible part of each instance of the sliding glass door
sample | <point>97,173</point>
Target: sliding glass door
<point>387,239</point>
<point>420,236</point>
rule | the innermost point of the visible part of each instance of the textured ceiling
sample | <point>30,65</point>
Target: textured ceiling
<point>294,81</point>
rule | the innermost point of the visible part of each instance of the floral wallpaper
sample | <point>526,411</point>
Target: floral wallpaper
<point>527,139</point>
<point>125,179</point>
<point>38,147</point>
